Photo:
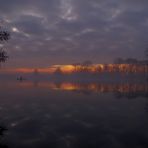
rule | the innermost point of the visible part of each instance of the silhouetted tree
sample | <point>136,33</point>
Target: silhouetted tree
<point>131,61</point>
<point>2,130</point>
<point>76,65</point>
<point>87,63</point>
<point>4,36</point>
<point>58,71</point>
<point>3,56</point>
<point>118,61</point>
<point>126,61</point>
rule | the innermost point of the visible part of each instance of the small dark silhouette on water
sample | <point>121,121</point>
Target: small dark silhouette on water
<point>2,130</point>
<point>20,78</point>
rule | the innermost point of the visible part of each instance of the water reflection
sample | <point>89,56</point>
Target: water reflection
<point>121,90</point>
<point>74,114</point>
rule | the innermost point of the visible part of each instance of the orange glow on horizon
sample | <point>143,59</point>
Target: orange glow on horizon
<point>68,69</point>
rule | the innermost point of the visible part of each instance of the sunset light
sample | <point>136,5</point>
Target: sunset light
<point>69,69</point>
<point>73,73</point>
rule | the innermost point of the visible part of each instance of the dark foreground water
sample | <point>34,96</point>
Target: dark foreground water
<point>74,115</point>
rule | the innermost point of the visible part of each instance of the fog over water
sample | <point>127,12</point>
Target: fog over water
<point>74,114</point>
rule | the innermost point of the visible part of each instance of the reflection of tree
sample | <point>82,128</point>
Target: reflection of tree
<point>85,92</point>
<point>36,72</point>
<point>36,83</point>
<point>121,90</point>
<point>130,95</point>
<point>2,130</point>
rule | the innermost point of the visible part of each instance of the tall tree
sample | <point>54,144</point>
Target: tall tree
<point>4,36</point>
<point>2,130</point>
<point>3,56</point>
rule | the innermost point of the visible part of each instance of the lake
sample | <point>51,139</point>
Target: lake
<point>74,114</point>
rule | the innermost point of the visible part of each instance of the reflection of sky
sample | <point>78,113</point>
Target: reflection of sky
<point>95,87</point>
<point>46,32</point>
<point>37,117</point>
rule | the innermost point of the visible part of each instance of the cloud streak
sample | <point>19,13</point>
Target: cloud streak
<point>64,31</point>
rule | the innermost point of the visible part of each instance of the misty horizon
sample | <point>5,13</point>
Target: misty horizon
<point>73,73</point>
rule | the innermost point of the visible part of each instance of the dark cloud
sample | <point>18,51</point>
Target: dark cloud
<point>75,29</point>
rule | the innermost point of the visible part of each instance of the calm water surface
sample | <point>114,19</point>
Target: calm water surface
<point>74,115</point>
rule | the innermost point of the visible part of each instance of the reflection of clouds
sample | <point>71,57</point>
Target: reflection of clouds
<point>68,140</point>
<point>85,124</point>
<point>133,139</point>
<point>121,90</point>
<point>41,119</point>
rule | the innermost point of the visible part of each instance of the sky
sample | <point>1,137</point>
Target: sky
<point>47,32</point>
